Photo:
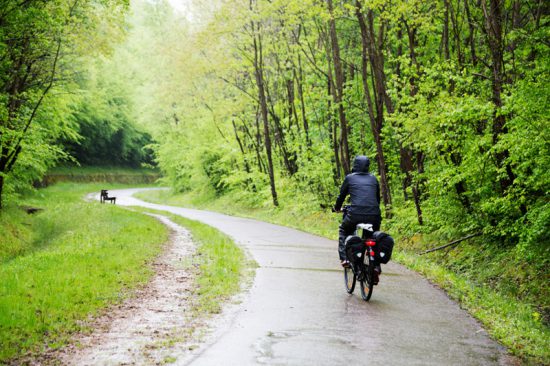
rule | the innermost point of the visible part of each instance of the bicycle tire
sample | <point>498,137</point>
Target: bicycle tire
<point>366,282</point>
<point>349,279</point>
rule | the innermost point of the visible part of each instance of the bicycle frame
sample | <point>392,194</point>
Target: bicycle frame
<point>363,271</point>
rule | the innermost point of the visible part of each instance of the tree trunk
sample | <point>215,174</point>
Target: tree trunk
<point>332,124</point>
<point>258,72</point>
<point>241,147</point>
<point>406,153</point>
<point>1,190</point>
<point>258,144</point>
<point>299,79</point>
<point>293,113</point>
<point>333,133</point>
<point>445,35</point>
<point>420,156</point>
<point>471,28</point>
<point>376,121</point>
<point>256,141</point>
<point>493,27</point>
<point>376,53</point>
<point>289,159</point>
<point>456,33</point>
<point>381,98</point>
<point>339,90</point>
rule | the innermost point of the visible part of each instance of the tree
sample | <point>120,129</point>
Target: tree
<point>37,39</point>
<point>290,90</point>
<point>259,76</point>
<point>371,52</point>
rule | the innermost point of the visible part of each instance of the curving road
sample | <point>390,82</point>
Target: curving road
<point>298,313</point>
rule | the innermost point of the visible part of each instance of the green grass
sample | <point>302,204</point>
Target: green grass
<point>64,264</point>
<point>515,324</point>
<point>481,279</point>
<point>222,264</point>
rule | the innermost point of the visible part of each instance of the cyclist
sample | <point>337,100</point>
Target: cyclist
<point>364,192</point>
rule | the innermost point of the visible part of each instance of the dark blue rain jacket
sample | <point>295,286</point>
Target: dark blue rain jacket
<point>363,189</point>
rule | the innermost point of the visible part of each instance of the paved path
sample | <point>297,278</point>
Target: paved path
<point>298,313</point>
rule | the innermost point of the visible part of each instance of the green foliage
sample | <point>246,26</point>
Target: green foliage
<point>175,166</point>
<point>216,170</point>
<point>106,121</point>
<point>40,149</point>
<point>41,48</point>
<point>65,263</point>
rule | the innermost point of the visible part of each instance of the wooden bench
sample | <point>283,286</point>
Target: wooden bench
<point>105,197</point>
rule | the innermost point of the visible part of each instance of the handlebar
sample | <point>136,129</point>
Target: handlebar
<point>344,209</point>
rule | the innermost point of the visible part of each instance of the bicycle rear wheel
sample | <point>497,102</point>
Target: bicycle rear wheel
<point>349,279</point>
<point>366,281</point>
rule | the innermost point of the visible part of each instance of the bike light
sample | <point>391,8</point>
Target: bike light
<point>370,243</point>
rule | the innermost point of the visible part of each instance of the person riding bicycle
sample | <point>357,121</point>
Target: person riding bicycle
<point>364,192</point>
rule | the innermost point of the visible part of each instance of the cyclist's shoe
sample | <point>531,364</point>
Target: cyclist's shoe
<point>375,275</point>
<point>345,263</point>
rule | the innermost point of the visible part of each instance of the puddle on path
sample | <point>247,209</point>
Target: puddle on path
<point>280,348</point>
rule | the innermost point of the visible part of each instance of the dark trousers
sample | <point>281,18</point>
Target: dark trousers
<point>348,225</point>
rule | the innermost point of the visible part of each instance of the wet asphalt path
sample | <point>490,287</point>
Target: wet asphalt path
<point>298,313</point>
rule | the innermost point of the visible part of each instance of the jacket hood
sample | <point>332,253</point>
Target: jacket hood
<point>361,164</point>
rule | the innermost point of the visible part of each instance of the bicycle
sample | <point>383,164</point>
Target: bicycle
<point>362,270</point>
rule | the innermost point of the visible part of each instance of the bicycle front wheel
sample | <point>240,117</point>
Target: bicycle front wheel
<point>349,279</point>
<point>366,282</point>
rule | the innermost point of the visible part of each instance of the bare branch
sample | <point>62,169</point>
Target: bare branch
<point>455,242</point>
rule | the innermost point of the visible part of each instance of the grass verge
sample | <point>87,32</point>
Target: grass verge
<point>65,263</point>
<point>222,264</point>
<point>516,324</point>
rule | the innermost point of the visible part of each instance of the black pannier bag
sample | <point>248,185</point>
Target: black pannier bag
<point>384,244</point>
<point>355,248</point>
